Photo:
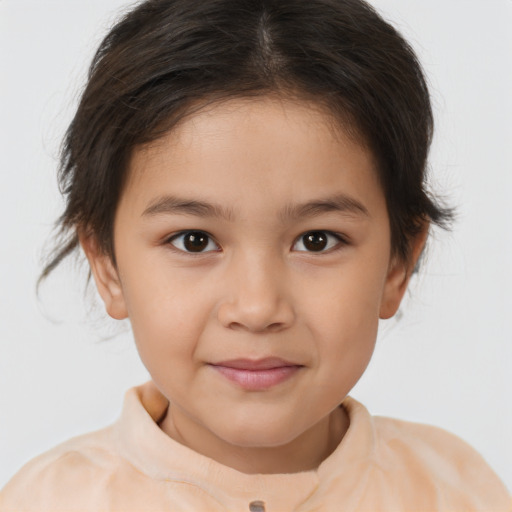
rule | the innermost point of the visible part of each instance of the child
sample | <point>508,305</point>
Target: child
<point>247,180</point>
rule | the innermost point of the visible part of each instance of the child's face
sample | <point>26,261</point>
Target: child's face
<point>253,260</point>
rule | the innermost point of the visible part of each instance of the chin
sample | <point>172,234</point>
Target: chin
<point>259,434</point>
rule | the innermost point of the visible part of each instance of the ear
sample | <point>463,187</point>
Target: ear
<point>399,273</point>
<point>105,276</point>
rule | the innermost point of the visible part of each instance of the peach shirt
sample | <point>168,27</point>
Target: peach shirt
<point>381,465</point>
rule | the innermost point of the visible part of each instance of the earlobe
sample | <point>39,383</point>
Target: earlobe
<point>399,274</point>
<point>396,284</point>
<point>105,276</point>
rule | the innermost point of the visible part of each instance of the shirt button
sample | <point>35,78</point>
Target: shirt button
<point>257,506</point>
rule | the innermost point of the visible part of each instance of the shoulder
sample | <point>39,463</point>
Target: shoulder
<point>432,444</point>
<point>80,463</point>
<point>441,462</point>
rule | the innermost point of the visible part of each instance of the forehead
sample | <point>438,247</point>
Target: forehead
<point>279,150</point>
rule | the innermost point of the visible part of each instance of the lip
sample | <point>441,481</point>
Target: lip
<point>257,374</point>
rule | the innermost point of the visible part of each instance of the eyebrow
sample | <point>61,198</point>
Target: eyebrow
<point>339,203</point>
<point>176,205</point>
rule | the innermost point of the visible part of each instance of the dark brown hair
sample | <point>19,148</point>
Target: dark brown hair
<point>166,56</point>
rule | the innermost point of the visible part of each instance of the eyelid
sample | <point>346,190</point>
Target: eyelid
<point>175,236</point>
<point>341,241</point>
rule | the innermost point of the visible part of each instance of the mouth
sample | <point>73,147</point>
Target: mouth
<point>257,375</point>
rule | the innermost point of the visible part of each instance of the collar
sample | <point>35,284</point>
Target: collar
<point>160,457</point>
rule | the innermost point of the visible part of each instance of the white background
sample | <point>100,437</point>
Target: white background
<point>447,361</point>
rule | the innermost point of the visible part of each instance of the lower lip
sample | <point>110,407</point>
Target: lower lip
<point>258,380</point>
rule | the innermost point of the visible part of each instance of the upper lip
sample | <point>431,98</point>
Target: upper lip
<point>266,363</point>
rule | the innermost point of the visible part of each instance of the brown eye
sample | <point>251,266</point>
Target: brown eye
<point>194,241</point>
<point>316,241</point>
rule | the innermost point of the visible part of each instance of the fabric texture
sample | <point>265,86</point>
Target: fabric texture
<point>381,464</point>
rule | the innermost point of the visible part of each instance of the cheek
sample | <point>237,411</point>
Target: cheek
<point>343,315</point>
<point>345,349</point>
<point>346,298</point>
<point>167,316</point>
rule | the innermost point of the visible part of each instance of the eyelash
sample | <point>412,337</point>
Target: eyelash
<point>197,232</point>
<point>339,241</point>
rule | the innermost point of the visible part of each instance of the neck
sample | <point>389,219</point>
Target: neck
<point>303,453</point>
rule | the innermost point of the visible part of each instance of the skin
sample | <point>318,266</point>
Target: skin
<point>256,291</point>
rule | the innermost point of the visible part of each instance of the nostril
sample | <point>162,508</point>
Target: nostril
<point>274,327</point>
<point>257,506</point>
<point>255,314</point>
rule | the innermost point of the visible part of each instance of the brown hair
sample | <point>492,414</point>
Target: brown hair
<point>167,55</point>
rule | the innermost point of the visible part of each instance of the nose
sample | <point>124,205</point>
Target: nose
<point>257,297</point>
